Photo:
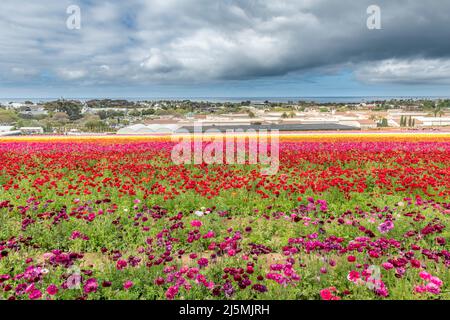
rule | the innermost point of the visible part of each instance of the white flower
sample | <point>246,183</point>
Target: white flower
<point>199,213</point>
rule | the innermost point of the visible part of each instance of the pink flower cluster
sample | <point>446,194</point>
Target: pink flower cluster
<point>182,278</point>
<point>431,284</point>
<point>78,235</point>
<point>329,294</point>
<point>372,281</point>
<point>284,274</point>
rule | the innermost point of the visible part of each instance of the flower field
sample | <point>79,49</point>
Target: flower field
<point>347,216</point>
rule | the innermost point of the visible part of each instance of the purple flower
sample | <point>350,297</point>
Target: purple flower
<point>35,294</point>
<point>203,262</point>
<point>91,285</point>
<point>228,289</point>
<point>259,287</point>
<point>386,226</point>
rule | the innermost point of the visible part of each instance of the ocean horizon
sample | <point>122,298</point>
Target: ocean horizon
<point>318,99</point>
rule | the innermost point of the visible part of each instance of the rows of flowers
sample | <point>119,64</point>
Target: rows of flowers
<point>344,218</point>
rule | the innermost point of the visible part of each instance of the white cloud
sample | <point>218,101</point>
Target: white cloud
<point>69,74</point>
<point>154,41</point>
<point>23,72</point>
<point>406,71</point>
<point>158,62</point>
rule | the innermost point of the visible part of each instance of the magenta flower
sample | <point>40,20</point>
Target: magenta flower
<point>203,262</point>
<point>91,285</point>
<point>354,277</point>
<point>425,275</point>
<point>326,294</point>
<point>75,235</point>
<point>127,284</point>
<point>381,289</point>
<point>35,294</point>
<point>52,289</point>
<point>436,281</point>
<point>121,264</point>
<point>193,256</point>
<point>196,223</point>
<point>420,289</point>
<point>387,265</point>
<point>172,292</point>
<point>433,288</point>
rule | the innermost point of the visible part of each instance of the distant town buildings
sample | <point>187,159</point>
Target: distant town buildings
<point>31,130</point>
<point>145,117</point>
<point>432,121</point>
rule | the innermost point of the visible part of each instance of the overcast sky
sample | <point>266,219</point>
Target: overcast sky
<point>182,48</point>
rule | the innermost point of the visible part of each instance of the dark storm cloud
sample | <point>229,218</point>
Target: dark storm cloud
<point>180,40</point>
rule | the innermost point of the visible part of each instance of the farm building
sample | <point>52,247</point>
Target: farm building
<point>149,129</point>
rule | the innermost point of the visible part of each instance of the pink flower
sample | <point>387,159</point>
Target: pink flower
<point>91,285</point>
<point>121,264</point>
<point>420,289</point>
<point>52,289</point>
<point>193,256</point>
<point>383,292</point>
<point>415,263</point>
<point>353,276</point>
<point>387,265</point>
<point>203,262</point>
<point>159,281</point>
<point>47,255</point>
<point>351,258</point>
<point>436,281</point>
<point>425,275</point>
<point>196,223</point>
<point>35,294</point>
<point>75,235</point>
<point>127,284</point>
<point>209,235</point>
<point>171,292</point>
<point>433,288</point>
<point>326,294</point>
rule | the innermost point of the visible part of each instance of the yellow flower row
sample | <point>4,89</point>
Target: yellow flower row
<point>306,136</point>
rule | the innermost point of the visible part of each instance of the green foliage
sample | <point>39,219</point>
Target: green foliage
<point>8,117</point>
<point>71,108</point>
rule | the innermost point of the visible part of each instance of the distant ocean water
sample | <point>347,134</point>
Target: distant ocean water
<point>342,99</point>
